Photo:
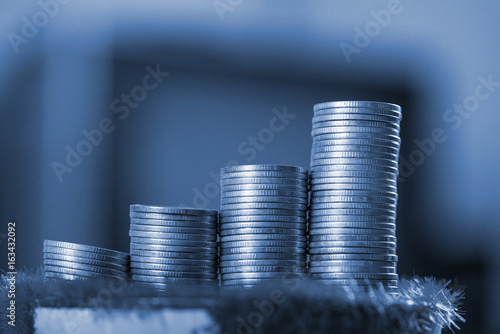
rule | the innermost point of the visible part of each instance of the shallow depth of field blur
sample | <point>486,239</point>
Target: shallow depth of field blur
<point>105,104</point>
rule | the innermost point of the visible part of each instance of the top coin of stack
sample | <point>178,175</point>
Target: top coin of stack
<point>69,261</point>
<point>172,245</point>
<point>262,223</point>
<point>354,169</point>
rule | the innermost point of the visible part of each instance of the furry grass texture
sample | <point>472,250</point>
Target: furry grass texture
<point>289,305</point>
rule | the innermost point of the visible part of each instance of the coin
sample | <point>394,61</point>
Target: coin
<point>84,254</point>
<point>388,143</point>
<point>172,267</point>
<point>271,262</point>
<point>172,242</point>
<point>80,272</point>
<point>264,212</point>
<point>66,277</point>
<point>261,187</point>
<point>242,168</point>
<point>354,193</point>
<point>387,276</point>
<point>263,256</point>
<point>381,162</point>
<point>174,223</point>
<point>349,231</point>
<point>349,219</point>
<point>352,269</point>
<point>91,249</point>
<point>262,243</point>
<point>348,237</point>
<point>175,255</point>
<point>250,206</point>
<point>338,157</point>
<point>314,225</point>
<point>360,166</point>
<point>356,123</point>
<point>371,106</point>
<point>48,263</point>
<point>262,219</point>
<point>352,250</point>
<point>254,275</point>
<point>263,249</point>
<point>355,129</point>
<point>172,210</point>
<point>339,205</point>
<point>173,280</point>
<point>295,228</point>
<point>174,261</point>
<point>355,148</point>
<point>263,180</point>
<point>263,237</point>
<point>368,244</point>
<point>390,137</point>
<point>178,274</point>
<point>353,199</point>
<point>173,236</point>
<point>87,261</point>
<point>170,248</point>
<point>164,216</point>
<point>345,116</point>
<point>352,263</point>
<point>265,193</point>
<point>173,230</point>
<point>352,258</point>
<point>264,199</point>
<point>260,269</point>
<point>343,180</point>
<point>353,212</point>
<point>265,231</point>
<point>261,174</point>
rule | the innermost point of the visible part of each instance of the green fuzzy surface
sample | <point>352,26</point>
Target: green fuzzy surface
<point>298,305</point>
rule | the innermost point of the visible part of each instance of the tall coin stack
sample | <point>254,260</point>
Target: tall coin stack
<point>69,261</point>
<point>354,169</point>
<point>172,245</point>
<point>262,223</point>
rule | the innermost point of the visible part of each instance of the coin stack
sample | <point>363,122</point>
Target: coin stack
<point>262,223</point>
<point>354,169</point>
<point>172,245</point>
<point>69,261</point>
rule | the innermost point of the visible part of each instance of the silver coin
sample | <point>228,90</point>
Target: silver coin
<point>256,237</point>
<point>355,123</point>
<point>354,212</point>
<point>264,167</point>
<point>173,280</point>
<point>262,243</point>
<point>355,129</point>
<point>272,262</point>
<point>173,261</point>
<point>264,193</point>
<point>396,116</point>
<point>84,254</point>
<point>255,275</point>
<point>350,237</point>
<point>325,224</point>
<point>394,145</point>
<point>166,248</point>
<point>259,269</point>
<point>357,104</point>
<point>249,281</point>
<point>355,167</point>
<point>257,186</point>
<point>339,156</point>
<point>250,206</point>
<point>178,274</point>
<point>165,216</point>
<point>172,210</point>
<point>85,248</point>
<point>48,263</point>
<point>174,255</point>
<point>328,218</point>
<point>354,199</point>
<point>355,116</point>
<point>263,180</point>
<point>172,242</point>
<point>349,231</point>
<point>351,250</point>
<point>172,267</point>
<point>64,277</point>
<point>173,230</point>
<point>355,148</point>
<point>259,174</point>
<point>262,256</point>
<point>267,219</point>
<point>354,244</point>
<point>167,286</point>
<point>353,269</point>
<point>236,228</point>
<point>87,261</point>
<point>369,276</point>
<point>263,212</point>
<point>264,231</point>
<point>354,186</point>
<point>387,162</point>
<point>173,236</point>
<point>174,223</point>
<point>262,199</point>
<point>82,273</point>
<point>357,136</point>
<point>328,206</point>
<point>262,249</point>
<point>354,193</point>
<point>352,258</point>
<point>352,263</point>
<point>364,180</point>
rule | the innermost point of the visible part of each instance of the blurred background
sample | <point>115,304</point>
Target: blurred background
<point>108,104</point>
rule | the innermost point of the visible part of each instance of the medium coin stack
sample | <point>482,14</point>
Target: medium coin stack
<point>69,261</point>
<point>172,245</point>
<point>354,169</point>
<point>262,223</point>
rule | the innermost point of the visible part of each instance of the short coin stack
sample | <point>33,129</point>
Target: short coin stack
<point>354,168</point>
<point>69,261</point>
<point>172,245</point>
<point>262,223</point>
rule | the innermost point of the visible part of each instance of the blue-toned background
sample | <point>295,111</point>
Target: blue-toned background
<point>242,79</point>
